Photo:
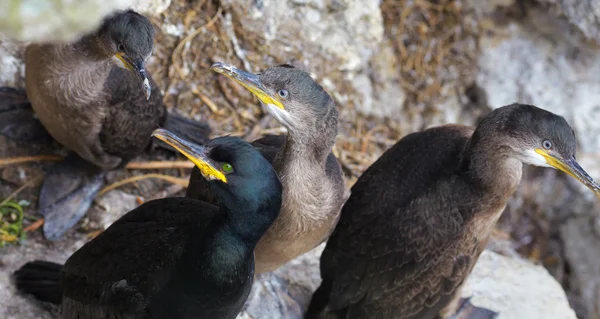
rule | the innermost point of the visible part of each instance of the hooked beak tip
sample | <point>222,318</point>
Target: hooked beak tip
<point>147,88</point>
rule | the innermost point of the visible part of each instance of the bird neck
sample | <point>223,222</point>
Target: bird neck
<point>311,144</point>
<point>491,167</point>
<point>232,236</point>
<point>245,221</point>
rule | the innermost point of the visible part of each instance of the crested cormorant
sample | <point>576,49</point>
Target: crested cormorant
<point>421,215</point>
<point>174,257</point>
<point>313,186</point>
<point>95,97</point>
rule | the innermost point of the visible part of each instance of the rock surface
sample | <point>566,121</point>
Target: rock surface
<point>581,236</point>
<point>63,20</point>
<point>582,14</point>
<point>516,289</point>
<point>340,36</point>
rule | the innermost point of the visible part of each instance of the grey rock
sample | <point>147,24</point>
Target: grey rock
<point>582,14</point>
<point>541,63</point>
<point>11,64</point>
<point>516,289</point>
<point>111,206</point>
<point>581,246</point>
<point>63,20</point>
<point>338,37</point>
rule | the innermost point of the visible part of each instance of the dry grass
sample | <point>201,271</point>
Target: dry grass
<point>435,42</point>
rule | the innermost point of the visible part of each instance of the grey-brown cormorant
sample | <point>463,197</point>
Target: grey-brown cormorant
<point>313,186</point>
<point>421,215</point>
<point>172,258</point>
<point>95,97</point>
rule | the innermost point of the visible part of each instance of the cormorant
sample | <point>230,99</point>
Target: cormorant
<point>94,97</point>
<point>173,257</point>
<point>421,215</point>
<point>313,186</point>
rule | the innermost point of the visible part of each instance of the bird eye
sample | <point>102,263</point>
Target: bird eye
<point>120,47</point>
<point>283,94</point>
<point>547,144</point>
<point>227,168</point>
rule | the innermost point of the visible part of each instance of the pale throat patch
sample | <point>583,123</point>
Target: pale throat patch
<point>119,63</point>
<point>282,116</point>
<point>532,157</point>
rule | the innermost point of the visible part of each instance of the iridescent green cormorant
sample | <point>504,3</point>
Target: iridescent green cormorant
<point>313,186</point>
<point>172,258</point>
<point>421,215</point>
<point>95,97</point>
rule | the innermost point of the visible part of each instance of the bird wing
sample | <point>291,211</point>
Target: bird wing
<point>388,250</point>
<point>119,272</point>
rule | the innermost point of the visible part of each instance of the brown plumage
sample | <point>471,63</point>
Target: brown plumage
<point>95,97</point>
<point>313,186</point>
<point>421,215</point>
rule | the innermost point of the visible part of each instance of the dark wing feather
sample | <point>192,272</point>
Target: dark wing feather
<point>388,252</point>
<point>117,273</point>
<point>127,129</point>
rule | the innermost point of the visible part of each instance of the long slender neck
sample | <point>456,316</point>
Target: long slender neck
<point>492,167</point>
<point>247,223</point>
<point>229,240</point>
<point>309,144</point>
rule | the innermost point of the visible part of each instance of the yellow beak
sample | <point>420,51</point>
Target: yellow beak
<point>195,153</point>
<point>138,68</point>
<point>572,168</point>
<point>248,80</point>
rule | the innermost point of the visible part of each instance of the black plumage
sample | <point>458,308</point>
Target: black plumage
<point>173,257</point>
<point>418,219</point>
<point>95,97</point>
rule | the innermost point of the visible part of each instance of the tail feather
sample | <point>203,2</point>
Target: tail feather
<point>17,119</point>
<point>188,129</point>
<point>40,279</point>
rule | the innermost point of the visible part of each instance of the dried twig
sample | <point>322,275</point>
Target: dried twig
<point>26,159</point>
<point>179,48</point>
<point>130,165</point>
<point>159,165</point>
<point>34,226</point>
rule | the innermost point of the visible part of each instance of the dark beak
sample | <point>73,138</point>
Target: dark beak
<point>571,167</point>
<point>140,71</point>
<point>196,153</point>
<point>248,80</point>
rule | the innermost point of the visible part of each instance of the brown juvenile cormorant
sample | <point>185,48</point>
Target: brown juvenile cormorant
<point>174,257</point>
<point>313,186</point>
<point>421,215</point>
<point>95,97</point>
